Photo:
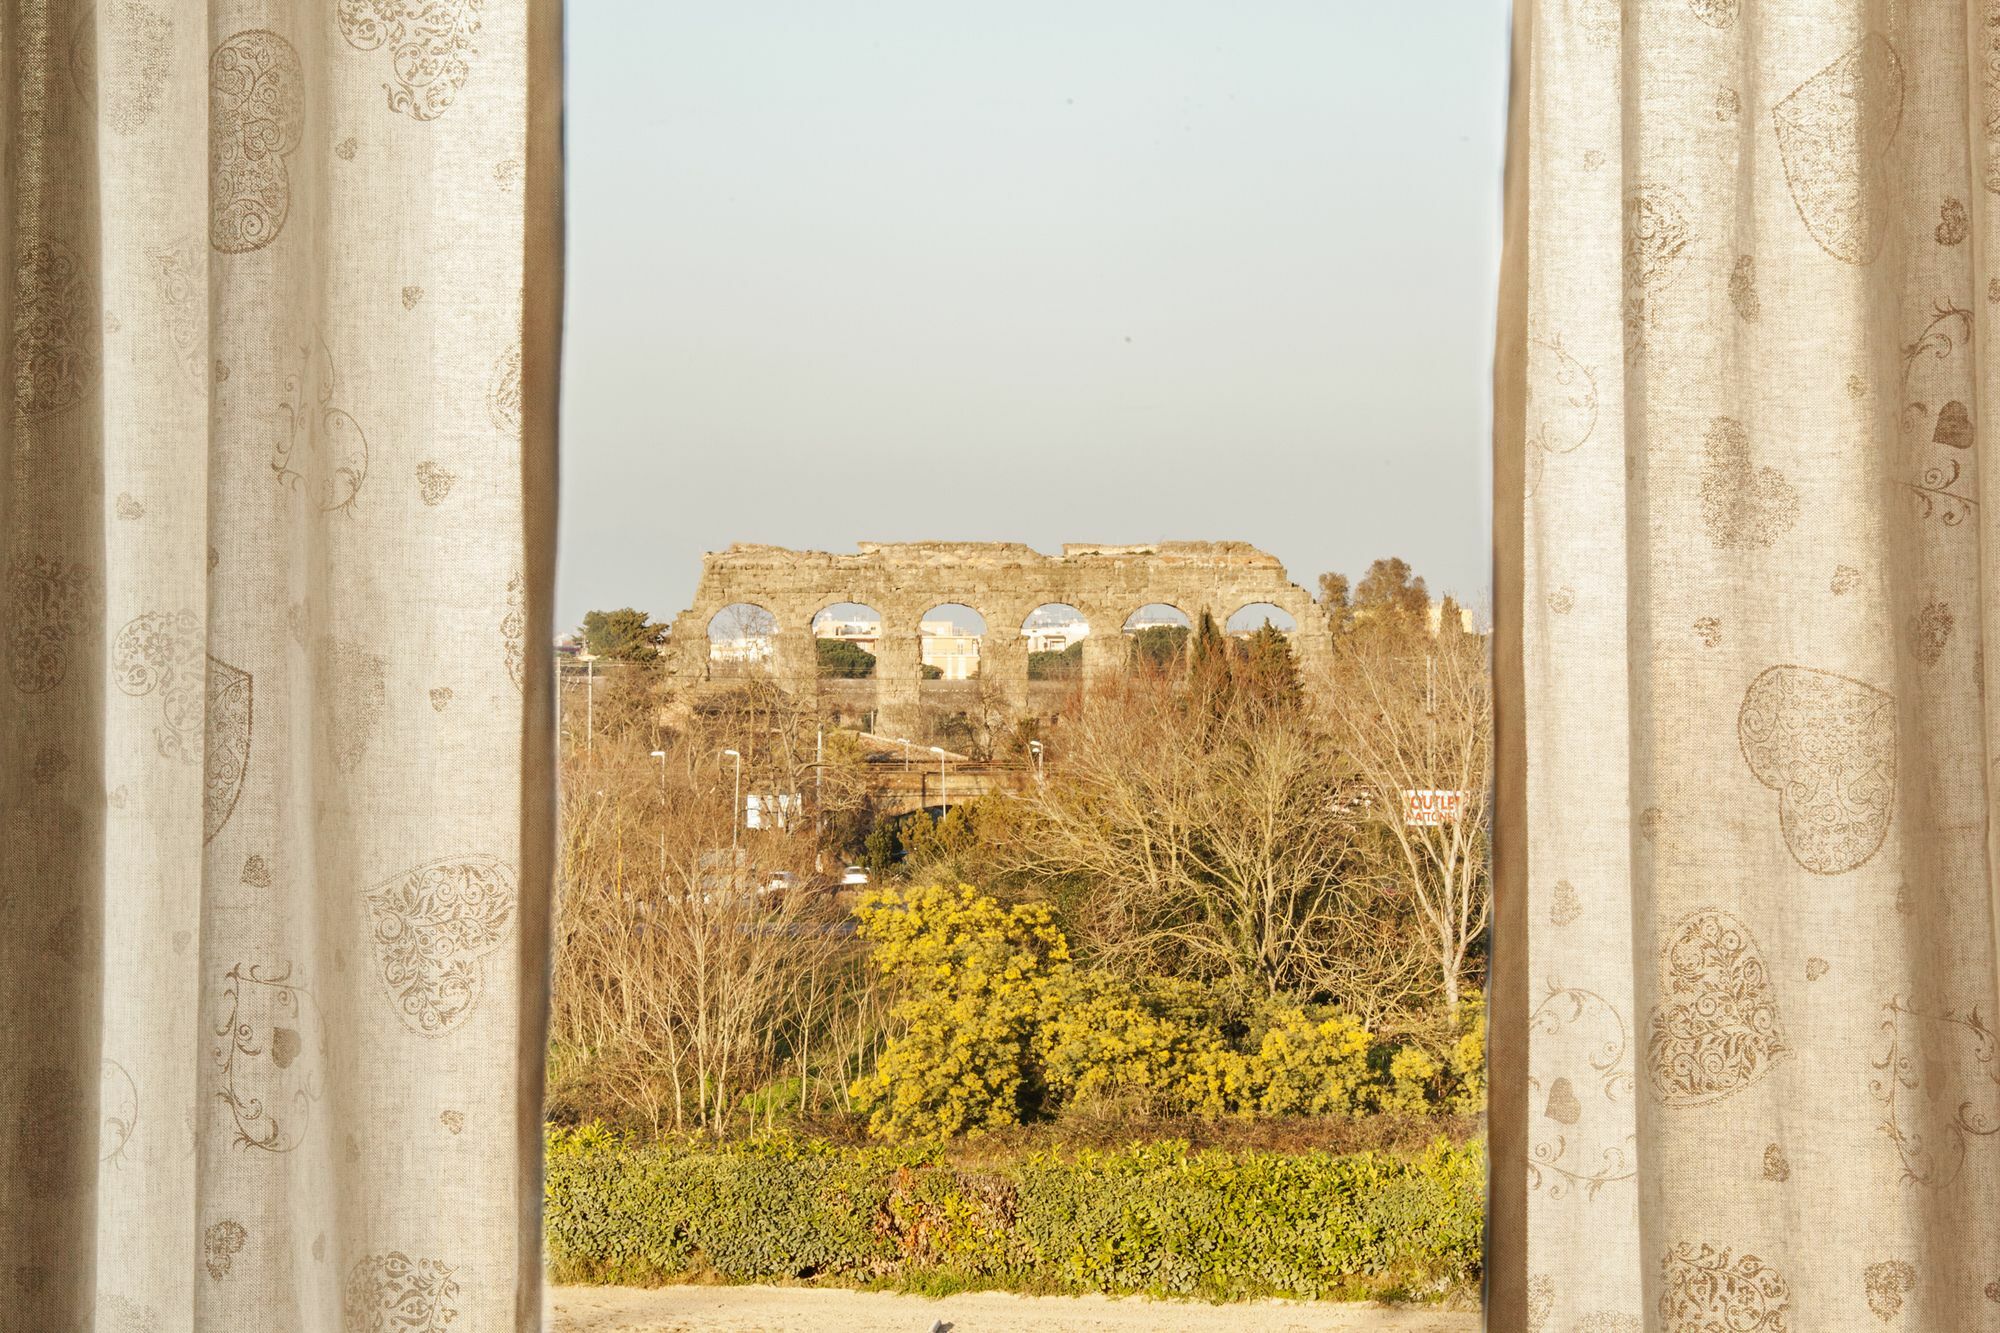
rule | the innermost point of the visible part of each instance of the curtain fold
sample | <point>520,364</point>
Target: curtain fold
<point>281,292</point>
<point>1745,985</point>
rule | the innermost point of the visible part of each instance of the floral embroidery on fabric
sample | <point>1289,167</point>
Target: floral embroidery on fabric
<point>220,1245</point>
<point>1707,1290</point>
<point>256,118</point>
<point>434,482</point>
<point>1940,1085</point>
<point>118,1111</point>
<point>1937,382</point>
<point>205,709</point>
<point>1834,131</point>
<point>268,1056</point>
<point>1715,13</point>
<point>1743,290</point>
<point>429,42</point>
<point>1658,241</point>
<point>181,283</point>
<point>503,396</point>
<point>352,699</point>
<point>433,927</point>
<point>513,632</point>
<point>1827,745</point>
<point>48,600</point>
<point>126,1316</point>
<point>1715,1030</point>
<point>55,328</point>
<point>1563,409</point>
<point>1583,1084</point>
<point>1930,631</point>
<point>1777,1168</point>
<point>1885,1285</point>
<point>322,450</point>
<point>141,42</point>
<point>1743,506</point>
<point>1954,225</point>
<point>394,1293</point>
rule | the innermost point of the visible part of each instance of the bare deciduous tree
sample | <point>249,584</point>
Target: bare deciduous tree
<point>1412,711</point>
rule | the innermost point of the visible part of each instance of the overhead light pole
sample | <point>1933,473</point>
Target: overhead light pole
<point>1035,749</point>
<point>943,804</point>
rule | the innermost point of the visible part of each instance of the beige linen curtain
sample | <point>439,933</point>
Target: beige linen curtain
<point>1745,999</point>
<point>279,286</point>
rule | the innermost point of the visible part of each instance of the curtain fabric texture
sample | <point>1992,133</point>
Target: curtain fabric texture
<point>1745,1006</point>
<point>280,290</point>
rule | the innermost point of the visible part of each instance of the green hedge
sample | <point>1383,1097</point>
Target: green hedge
<point>1155,1218</point>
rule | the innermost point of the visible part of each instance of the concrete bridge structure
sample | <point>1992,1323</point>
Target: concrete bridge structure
<point>1003,581</point>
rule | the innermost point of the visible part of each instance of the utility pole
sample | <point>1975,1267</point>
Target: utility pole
<point>661,755</point>
<point>735,816</point>
<point>590,706</point>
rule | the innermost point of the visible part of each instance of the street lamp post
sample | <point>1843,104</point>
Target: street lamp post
<point>943,804</point>
<point>1035,749</point>
<point>661,755</point>
<point>735,815</point>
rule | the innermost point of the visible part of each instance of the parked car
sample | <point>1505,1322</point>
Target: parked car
<point>779,882</point>
<point>853,875</point>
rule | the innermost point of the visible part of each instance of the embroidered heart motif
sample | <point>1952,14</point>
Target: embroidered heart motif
<point>1834,130</point>
<point>1566,906</point>
<point>1715,1029</point>
<point>440,696</point>
<point>434,482</point>
<point>285,1047</point>
<point>453,1121</point>
<point>1563,1107</point>
<point>434,925</point>
<point>256,872</point>
<point>411,295</point>
<point>1827,745</point>
<point>1776,1169</point>
<point>1886,1283</point>
<point>1743,507</point>
<point>344,150</point>
<point>220,1244</point>
<point>181,939</point>
<point>128,508</point>
<point>1954,426</point>
<point>1815,968</point>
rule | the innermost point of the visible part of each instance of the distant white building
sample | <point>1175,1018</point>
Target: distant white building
<point>863,634</point>
<point>750,649</point>
<point>1053,638</point>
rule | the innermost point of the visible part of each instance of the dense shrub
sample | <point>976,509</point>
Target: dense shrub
<point>997,1024</point>
<point>1156,1218</point>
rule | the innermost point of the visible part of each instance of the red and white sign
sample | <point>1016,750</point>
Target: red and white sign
<point>1429,809</point>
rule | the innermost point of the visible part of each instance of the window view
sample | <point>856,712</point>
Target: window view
<point>1024,717</point>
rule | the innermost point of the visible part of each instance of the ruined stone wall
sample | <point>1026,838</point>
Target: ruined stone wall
<point>1003,581</point>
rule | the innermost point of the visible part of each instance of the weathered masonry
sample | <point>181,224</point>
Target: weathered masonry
<point>1003,581</point>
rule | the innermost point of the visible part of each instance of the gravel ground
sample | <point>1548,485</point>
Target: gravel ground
<point>827,1310</point>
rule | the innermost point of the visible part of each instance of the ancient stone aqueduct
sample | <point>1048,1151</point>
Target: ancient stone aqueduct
<point>1003,581</point>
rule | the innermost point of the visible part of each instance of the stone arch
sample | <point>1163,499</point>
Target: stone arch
<point>742,638</point>
<point>952,655</point>
<point>854,625</point>
<point>1251,616</point>
<point>1054,635</point>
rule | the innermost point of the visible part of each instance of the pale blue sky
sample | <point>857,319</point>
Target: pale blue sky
<point>1101,270</point>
